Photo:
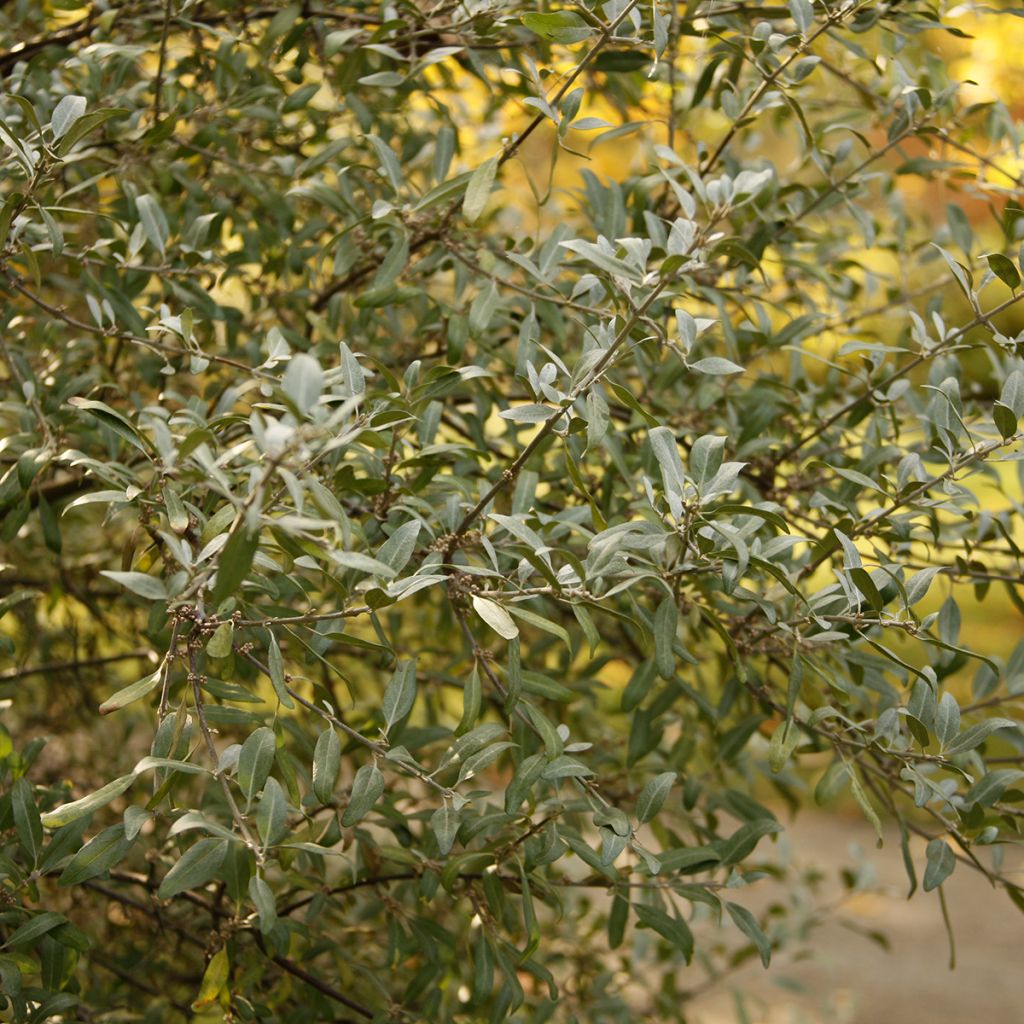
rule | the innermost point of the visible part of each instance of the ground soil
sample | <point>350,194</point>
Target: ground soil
<point>849,979</point>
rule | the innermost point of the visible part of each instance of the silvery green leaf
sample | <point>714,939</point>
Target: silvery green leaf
<point>400,694</point>
<point>666,451</point>
<point>275,662</point>
<point>476,763</point>
<point>970,738</point>
<point>947,719</point>
<point>367,788</point>
<point>303,381</point>
<point>139,583</point>
<point>666,622</point>
<point>133,692</point>
<point>134,819</point>
<point>262,897</point>
<point>80,808</point>
<point>199,865</point>
<point>399,547</point>
<point>941,862</point>
<point>478,191</point>
<point>65,114</point>
<point>528,413</point>
<point>444,823</point>
<point>716,366</point>
<point>254,761</point>
<point>803,14</point>
<point>706,458</point>
<point>98,856</point>
<point>271,812</point>
<point>363,563</point>
<point>326,764</point>
<point>918,584</point>
<point>653,796</point>
<point>153,221</point>
<point>496,617</point>
<point>747,923</point>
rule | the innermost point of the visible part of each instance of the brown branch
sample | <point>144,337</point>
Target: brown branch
<point>158,347</point>
<point>23,51</point>
<point>132,978</point>
<point>364,270</point>
<point>13,675</point>
<point>283,962</point>
<point>321,986</point>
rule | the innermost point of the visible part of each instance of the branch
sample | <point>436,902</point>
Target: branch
<point>159,347</point>
<point>321,986</point>
<point>13,675</point>
<point>23,51</point>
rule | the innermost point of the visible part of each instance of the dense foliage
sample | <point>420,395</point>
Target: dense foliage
<point>523,452</point>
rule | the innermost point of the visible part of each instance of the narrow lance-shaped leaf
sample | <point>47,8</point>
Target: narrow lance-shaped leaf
<point>367,788</point>
<point>617,919</point>
<point>399,547</point>
<point>400,693</point>
<point>472,698</point>
<point>113,420</point>
<point>254,761</point>
<point>154,223</point>
<point>716,366</point>
<point>234,562</point>
<point>444,823</point>
<point>666,622</point>
<point>674,929</point>
<point>653,796</point>
<point>303,381</point>
<point>200,864</point>
<point>275,663</point>
<point>65,114</point>
<point>496,617</point>
<point>663,444</point>
<point>271,812</point>
<point>747,923</point>
<point>262,897</point>
<point>326,764</point>
<point>139,583</point>
<point>478,190</point>
<point>37,926</point>
<point>977,734</point>
<point>947,719</point>
<point>85,124</point>
<point>26,818</point>
<point>80,808</point>
<point>98,856</point>
<point>941,862</point>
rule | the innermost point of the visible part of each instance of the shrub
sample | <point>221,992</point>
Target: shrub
<point>466,472</point>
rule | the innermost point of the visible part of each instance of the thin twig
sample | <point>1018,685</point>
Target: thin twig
<point>53,667</point>
<point>236,813</point>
